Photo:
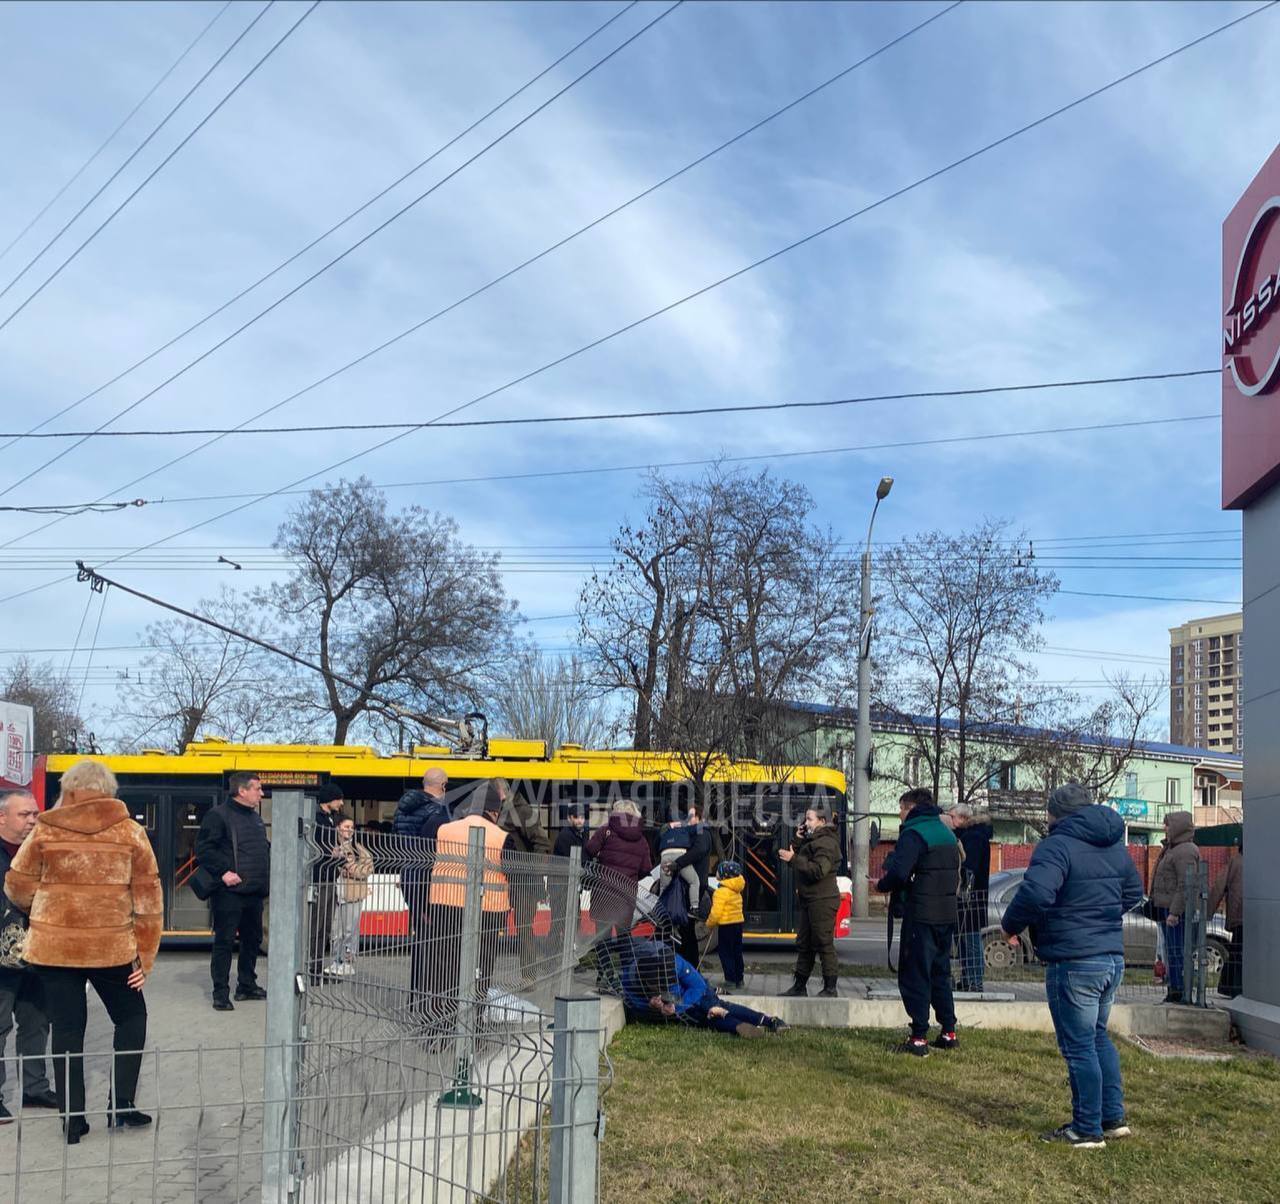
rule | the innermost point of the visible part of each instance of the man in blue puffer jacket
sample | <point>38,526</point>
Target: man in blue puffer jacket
<point>419,816</point>
<point>1077,889</point>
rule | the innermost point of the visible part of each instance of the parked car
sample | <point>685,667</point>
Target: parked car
<point>1139,932</point>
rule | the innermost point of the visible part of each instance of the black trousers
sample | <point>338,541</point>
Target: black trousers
<point>1231,981</point>
<point>319,924</point>
<point>526,894</point>
<point>924,974</point>
<point>234,913</point>
<point>730,950</point>
<point>445,957</point>
<point>68,1012</point>
<point>816,936</point>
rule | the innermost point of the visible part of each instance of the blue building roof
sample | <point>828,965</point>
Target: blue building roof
<point>1014,731</point>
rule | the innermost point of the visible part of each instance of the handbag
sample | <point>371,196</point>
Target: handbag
<point>204,882</point>
<point>13,938</point>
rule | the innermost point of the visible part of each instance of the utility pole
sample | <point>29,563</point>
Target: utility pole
<point>859,820</point>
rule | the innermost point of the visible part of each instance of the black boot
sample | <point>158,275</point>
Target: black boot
<point>798,989</point>
<point>829,988</point>
<point>74,1128</point>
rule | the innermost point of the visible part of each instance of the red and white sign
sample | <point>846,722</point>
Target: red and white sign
<point>1251,340</point>
<point>17,730</point>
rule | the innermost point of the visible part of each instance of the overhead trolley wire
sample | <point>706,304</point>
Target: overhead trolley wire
<point>53,200</point>
<point>545,419</point>
<point>955,163</point>
<point>320,271</point>
<point>138,150</point>
<point>299,253</point>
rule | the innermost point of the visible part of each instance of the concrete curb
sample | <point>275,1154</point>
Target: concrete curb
<point>1137,1019</point>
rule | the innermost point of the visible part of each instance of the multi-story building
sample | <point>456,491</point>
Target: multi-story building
<point>1206,682</point>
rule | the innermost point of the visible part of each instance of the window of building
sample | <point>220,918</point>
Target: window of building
<point>1002,775</point>
<point>913,770</point>
<point>1172,791</point>
<point>1130,785</point>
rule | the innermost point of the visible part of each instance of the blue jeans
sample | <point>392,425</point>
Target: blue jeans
<point>972,960</point>
<point>1174,939</point>
<point>1080,995</point>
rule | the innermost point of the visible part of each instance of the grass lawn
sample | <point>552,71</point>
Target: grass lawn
<point>817,1115</point>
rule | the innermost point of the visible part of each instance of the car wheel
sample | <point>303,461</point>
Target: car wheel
<point>1215,958</point>
<point>999,954</point>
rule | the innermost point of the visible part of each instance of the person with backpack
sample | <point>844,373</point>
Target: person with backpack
<point>233,850</point>
<point>1168,892</point>
<point>923,874</point>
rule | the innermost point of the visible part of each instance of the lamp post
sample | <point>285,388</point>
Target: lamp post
<point>862,736</point>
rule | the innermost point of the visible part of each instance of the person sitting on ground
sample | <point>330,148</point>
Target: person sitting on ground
<point>674,842</point>
<point>1075,894</point>
<point>658,985</point>
<point>728,916</point>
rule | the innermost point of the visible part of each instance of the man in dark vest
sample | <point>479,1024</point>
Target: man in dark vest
<point>923,872</point>
<point>232,846</point>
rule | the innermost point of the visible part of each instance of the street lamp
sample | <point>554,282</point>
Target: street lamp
<point>860,819</point>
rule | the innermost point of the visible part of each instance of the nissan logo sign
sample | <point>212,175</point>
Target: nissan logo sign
<point>1254,295</point>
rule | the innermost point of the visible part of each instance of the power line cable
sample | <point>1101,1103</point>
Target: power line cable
<point>742,271</point>
<point>75,645</point>
<point>161,165</point>
<point>53,200</point>
<point>136,152</point>
<point>314,242</point>
<point>92,648</point>
<point>955,163</point>
<point>354,246</point>
<point>284,491</point>
<point>545,419</point>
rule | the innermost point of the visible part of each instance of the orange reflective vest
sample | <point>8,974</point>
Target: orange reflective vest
<point>449,873</point>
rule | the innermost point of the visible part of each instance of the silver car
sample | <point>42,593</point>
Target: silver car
<point>1139,932</point>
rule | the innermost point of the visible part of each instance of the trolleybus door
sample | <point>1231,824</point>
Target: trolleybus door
<point>180,819</point>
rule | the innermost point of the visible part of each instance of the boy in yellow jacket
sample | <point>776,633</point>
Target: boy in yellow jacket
<point>727,915</point>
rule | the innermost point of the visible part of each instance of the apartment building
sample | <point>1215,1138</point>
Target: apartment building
<point>1206,682</point>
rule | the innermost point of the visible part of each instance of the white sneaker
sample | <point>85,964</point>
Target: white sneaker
<point>346,968</point>
<point>333,970</point>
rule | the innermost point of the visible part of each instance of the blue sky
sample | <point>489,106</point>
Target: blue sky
<point>1087,247</point>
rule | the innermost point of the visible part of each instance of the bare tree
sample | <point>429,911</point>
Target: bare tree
<point>394,602</point>
<point>53,698</point>
<point>724,602</point>
<point>540,698</point>
<point>960,617</point>
<point>197,678</point>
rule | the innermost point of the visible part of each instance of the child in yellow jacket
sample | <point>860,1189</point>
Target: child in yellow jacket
<point>727,915</point>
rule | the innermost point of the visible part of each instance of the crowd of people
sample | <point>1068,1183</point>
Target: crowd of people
<point>83,907</point>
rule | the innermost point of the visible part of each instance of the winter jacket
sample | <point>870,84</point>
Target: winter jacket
<point>1080,884</point>
<point>525,825</point>
<point>975,875</point>
<point>355,864</point>
<point>1230,886</point>
<point>325,834</point>
<point>619,847</point>
<point>249,854</point>
<point>420,815</point>
<point>88,879</point>
<point>698,855</point>
<point>10,916</point>
<point>923,871</point>
<point>726,903</point>
<point>675,836</point>
<point>816,862</point>
<point>649,965</point>
<point>569,838</point>
<point>1169,882</point>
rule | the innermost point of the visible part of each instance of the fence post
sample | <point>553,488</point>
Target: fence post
<point>1194,948</point>
<point>460,1095</point>
<point>576,1128</point>
<point>572,911</point>
<point>286,990</point>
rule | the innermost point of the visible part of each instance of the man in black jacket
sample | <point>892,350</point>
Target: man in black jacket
<point>698,855</point>
<point>21,995</point>
<point>572,835</point>
<point>323,873</point>
<point>923,872</point>
<point>419,816</point>
<point>232,845</point>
